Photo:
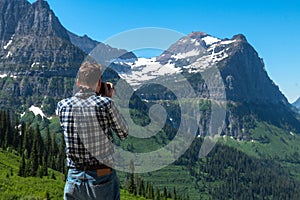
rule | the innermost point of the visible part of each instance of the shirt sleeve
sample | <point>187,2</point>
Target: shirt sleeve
<point>117,122</point>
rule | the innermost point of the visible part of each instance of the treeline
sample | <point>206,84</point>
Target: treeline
<point>38,153</point>
<point>227,173</point>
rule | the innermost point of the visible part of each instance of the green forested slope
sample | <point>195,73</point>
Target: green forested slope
<point>13,186</point>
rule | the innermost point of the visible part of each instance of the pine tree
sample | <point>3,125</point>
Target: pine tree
<point>47,143</point>
<point>45,167</point>
<point>16,131</point>
<point>54,151</point>
<point>34,158</point>
<point>143,192</point>
<point>150,191</point>
<point>28,168</point>
<point>1,128</point>
<point>174,194</point>
<point>54,146</point>
<point>165,194</point>
<point>8,133</point>
<point>157,194</point>
<point>61,155</point>
<point>39,144</point>
<point>21,138</point>
<point>22,168</point>
<point>35,154</point>
<point>27,140</point>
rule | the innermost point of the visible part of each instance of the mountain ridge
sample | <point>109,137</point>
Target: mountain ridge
<point>297,103</point>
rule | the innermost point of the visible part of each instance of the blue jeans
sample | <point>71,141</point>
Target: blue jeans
<point>87,185</point>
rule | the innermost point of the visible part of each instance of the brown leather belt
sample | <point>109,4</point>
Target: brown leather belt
<point>102,170</point>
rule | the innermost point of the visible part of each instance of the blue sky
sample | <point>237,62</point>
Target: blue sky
<point>272,27</point>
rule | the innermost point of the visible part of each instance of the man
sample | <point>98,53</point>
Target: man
<point>88,121</point>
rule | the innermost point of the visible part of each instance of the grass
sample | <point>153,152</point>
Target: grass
<point>13,186</point>
<point>125,195</point>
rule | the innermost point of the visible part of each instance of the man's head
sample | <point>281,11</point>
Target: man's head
<point>89,75</point>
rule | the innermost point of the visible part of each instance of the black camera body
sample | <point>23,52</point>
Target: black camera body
<point>102,89</point>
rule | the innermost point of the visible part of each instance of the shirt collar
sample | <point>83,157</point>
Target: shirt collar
<point>85,93</point>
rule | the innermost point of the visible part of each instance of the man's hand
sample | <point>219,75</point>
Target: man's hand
<point>109,89</point>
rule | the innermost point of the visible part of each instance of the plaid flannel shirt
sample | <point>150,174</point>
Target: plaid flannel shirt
<point>88,121</point>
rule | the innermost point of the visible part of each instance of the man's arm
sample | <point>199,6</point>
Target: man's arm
<point>117,122</point>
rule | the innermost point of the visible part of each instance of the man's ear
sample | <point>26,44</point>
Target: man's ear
<point>98,86</point>
<point>78,83</point>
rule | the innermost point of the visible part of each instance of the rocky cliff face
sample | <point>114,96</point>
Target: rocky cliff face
<point>32,37</point>
<point>246,78</point>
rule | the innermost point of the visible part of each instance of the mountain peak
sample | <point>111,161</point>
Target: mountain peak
<point>41,4</point>
<point>239,37</point>
<point>197,34</point>
<point>45,21</point>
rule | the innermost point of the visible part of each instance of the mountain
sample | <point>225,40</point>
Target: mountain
<point>250,93</point>
<point>39,58</point>
<point>241,68</point>
<point>32,37</point>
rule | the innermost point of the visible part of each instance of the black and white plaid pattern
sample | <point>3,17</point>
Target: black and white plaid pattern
<point>88,121</point>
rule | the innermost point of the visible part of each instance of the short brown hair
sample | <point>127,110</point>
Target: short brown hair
<point>89,74</point>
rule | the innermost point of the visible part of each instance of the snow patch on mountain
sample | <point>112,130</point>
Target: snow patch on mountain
<point>209,40</point>
<point>9,43</point>
<point>196,42</point>
<point>6,75</point>
<point>191,53</point>
<point>22,114</point>
<point>145,69</point>
<point>35,64</point>
<point>3,75</point>
<point>196,58</point>
<point>8,54</point>
<point>226,42</point>
<point>37,111</point>
<point>212,57</point>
